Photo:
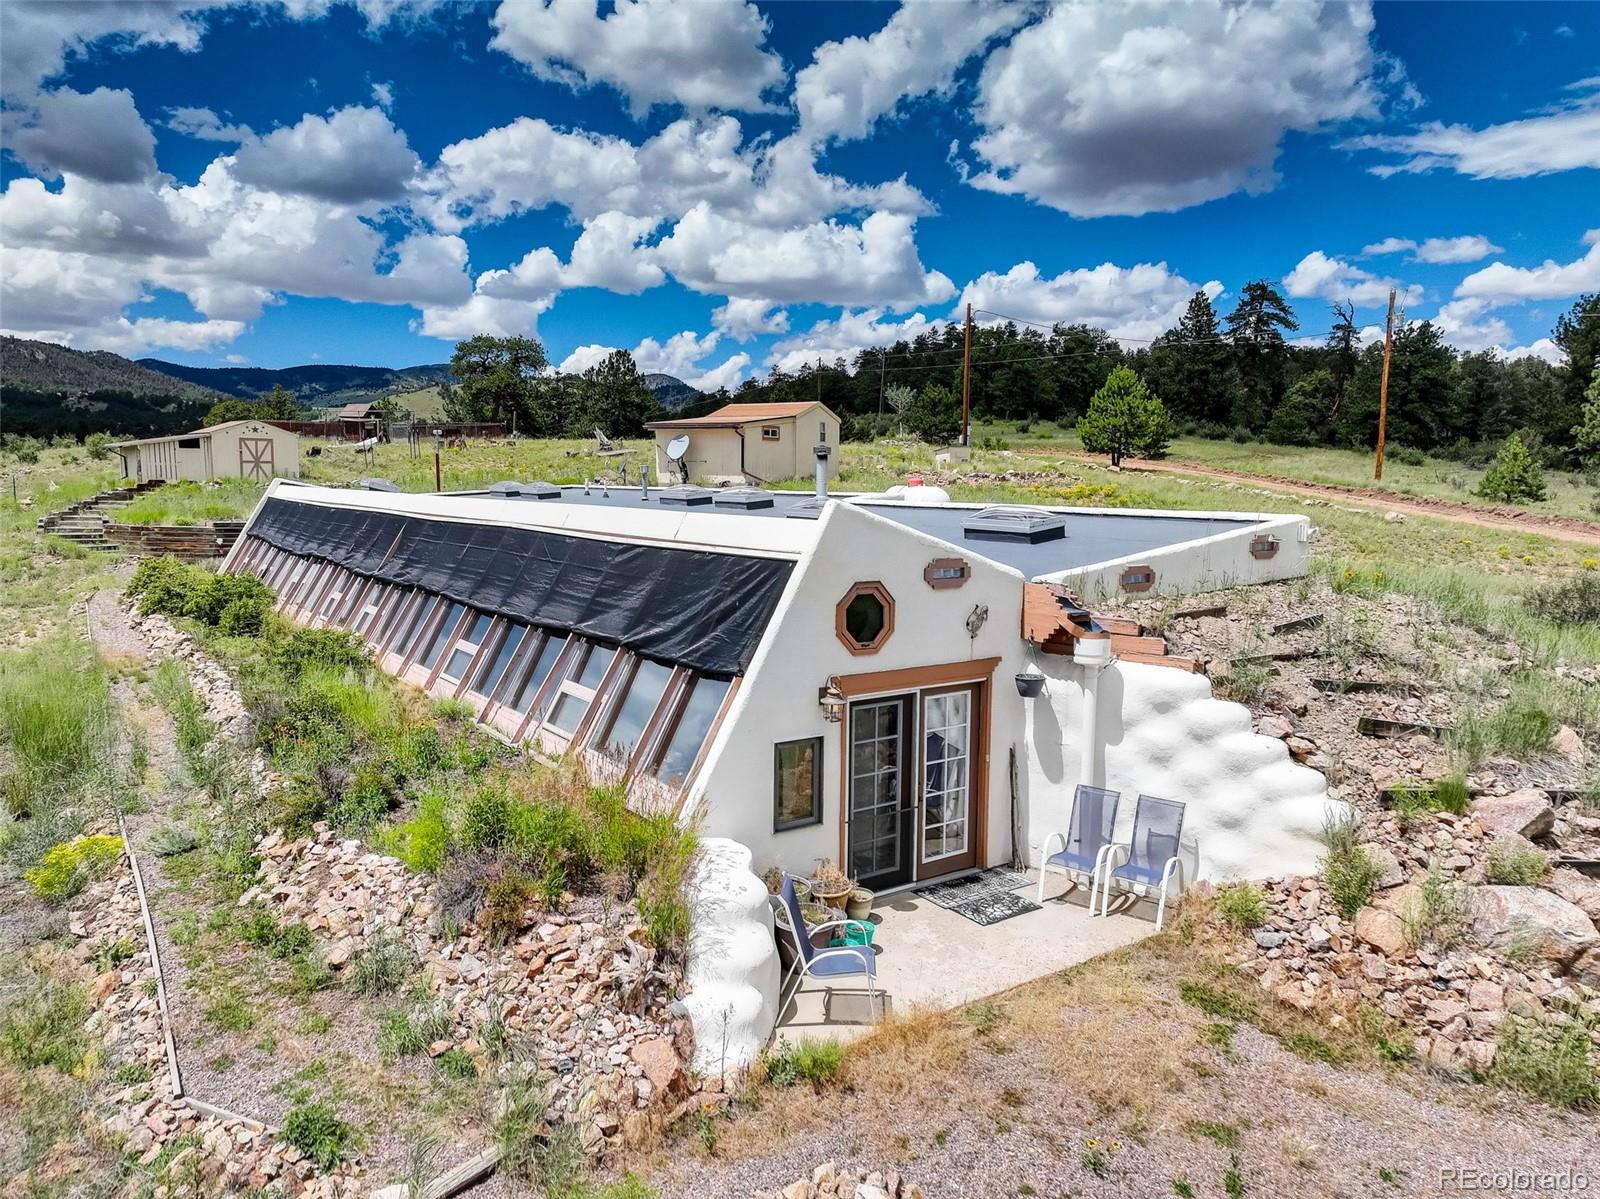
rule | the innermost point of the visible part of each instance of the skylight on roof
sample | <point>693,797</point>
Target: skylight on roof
<point>686,495</point>
<point>539,491</point>
<point>743,497</point>
<point>1007,523</point>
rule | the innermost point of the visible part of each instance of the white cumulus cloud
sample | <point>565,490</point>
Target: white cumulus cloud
<point>1320,276</point>
<point>1500,284</point>
<point>844,337</point>
<point>1102,109</point>
<point>742,319</point>
<point>1136,304</point>
<point>354,156</point>
<point>98,135</point>
<point>1472,247</point>
<point>707,55</point>
<point>850,84</point>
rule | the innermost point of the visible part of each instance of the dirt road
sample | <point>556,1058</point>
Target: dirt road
<point>1489,516</point>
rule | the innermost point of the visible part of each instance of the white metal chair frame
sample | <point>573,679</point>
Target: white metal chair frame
<point>1173,865</point>
<point>801,969</point>
<point>1045,867</point>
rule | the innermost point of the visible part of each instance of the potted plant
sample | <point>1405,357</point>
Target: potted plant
<point>1029,683</point>
<point>859,905</point>
<point>831,885</point>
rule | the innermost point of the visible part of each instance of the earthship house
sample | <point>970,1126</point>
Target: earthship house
<point>817,676</point>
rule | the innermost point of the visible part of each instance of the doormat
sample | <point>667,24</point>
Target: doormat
<point>985,899</point>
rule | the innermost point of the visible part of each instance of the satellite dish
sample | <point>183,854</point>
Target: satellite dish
<point>678,447</point>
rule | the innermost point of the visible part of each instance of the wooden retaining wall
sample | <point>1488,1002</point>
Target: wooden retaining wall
<point>189,542</point>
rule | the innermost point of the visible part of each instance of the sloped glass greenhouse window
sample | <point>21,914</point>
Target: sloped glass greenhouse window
<point>633,712</point>
<point>699,710</point>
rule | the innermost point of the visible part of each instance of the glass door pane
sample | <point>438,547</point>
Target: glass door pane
<point>877,812</point>
<point>946,745</point>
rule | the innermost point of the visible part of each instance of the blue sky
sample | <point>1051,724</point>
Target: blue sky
<point>721,186</point>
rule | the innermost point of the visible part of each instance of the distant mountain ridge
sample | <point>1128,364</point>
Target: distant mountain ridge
<point>45,366</point>
<point>321,385</point>
<point>672,391</point>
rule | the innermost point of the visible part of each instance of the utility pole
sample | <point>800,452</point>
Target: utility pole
<point>883,362</point>
<point>966,377</point>
<point>1383,387</point>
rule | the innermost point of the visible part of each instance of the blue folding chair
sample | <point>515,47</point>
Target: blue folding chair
<point>810,962</point>
<point>1087,841</point>
<point>1150,858</point>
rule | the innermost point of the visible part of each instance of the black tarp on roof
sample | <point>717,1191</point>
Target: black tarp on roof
<point>700,608</point>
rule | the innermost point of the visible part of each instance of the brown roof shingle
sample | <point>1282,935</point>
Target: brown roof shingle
<point>733,415</point>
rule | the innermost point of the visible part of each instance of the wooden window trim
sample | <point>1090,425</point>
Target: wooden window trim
<point>1136,572</point>
<point>533,718</point>
<point>458,642</point>
<point>771,433</point>
<point>869,587</point>
<point>816,784</point>
<point>527,653</point>
<point>593,695</point>
<point>492,640</point>
<point>436,631</point>
<point>421,609</point>
<point>929,573</point>
<point>393,620</point>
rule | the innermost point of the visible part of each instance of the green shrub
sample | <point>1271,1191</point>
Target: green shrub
<point>383,967</point>
<point>1512,865</point>
<point>1449,794</point>
<point>816,1062</point>
<point>505,901</point>
<point>283,941</point>
<point>456,1063</point>
<point>1575,601</point>
<point>1516,475</point>
<point>486,819</point>
<point>1215,1002</point>
<point>244,617</point>
<point>317,1132</point>
<point>1244,681</point>
<point>1242,905</point>
<point>366,798</point>
<point>173,838</point>
<point>1346,868</point>
<point>97,445</point>
<point>1549,1059</point>
<point>56,730</point>
<point>422,842</point>
<point>1519,729</point>
<point>42,1023</point>
<point>328,648</point>
<point>68,868</point>
<point>1440,915</point>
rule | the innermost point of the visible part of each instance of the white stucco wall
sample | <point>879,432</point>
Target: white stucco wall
<point>733,796</point>
<point>1251,811</point>
<point>732,971</point>
<point>1208,564</point>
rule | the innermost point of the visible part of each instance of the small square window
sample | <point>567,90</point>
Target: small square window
<point>770,433</point>
<point>797,783</point>
<point>188,443</point>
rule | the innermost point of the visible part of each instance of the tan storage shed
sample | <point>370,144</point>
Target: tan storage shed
<point>750,443</point>
<point>235,449</point>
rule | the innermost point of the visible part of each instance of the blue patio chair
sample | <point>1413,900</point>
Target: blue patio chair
<point>811,962</point>
<point>1087,841</point>
<point>1150,858</point>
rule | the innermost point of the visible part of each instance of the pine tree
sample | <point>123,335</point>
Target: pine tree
<point>1587,430</point>
<point>1124,418</point>
<point>1255,328</point>
<point>1515,476</point>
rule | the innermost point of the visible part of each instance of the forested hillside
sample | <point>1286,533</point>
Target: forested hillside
<point>1243,374</point>
<point>316,385</point>
<point>48,390</point>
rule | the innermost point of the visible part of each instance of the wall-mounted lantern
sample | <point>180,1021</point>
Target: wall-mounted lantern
<point>831,700</point>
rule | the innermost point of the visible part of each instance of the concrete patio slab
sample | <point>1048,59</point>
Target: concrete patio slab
<point>929,956</point>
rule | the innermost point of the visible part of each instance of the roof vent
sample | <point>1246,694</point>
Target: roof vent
<point>808,509</point>
<point>685,495</point>
<point>743,497</point>
<point>376,485</point>
<point>1001,523</point>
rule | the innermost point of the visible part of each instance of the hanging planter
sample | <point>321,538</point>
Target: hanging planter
<point>1030,684</point>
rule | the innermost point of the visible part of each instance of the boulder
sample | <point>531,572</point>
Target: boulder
<point>1505,918</point>
<point>1569,745</point>
<point>1274,726</point>
<point>1527,813</point>
<point>1585,968</point>
<point>1577,889</point>
<point>1392,874</point>
<point>1382,930</point>
<point>659,1061</point>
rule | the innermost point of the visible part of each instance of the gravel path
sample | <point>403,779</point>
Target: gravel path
<point>324,1044</point>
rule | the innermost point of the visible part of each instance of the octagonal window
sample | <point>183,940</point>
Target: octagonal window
<point>865,617</point>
